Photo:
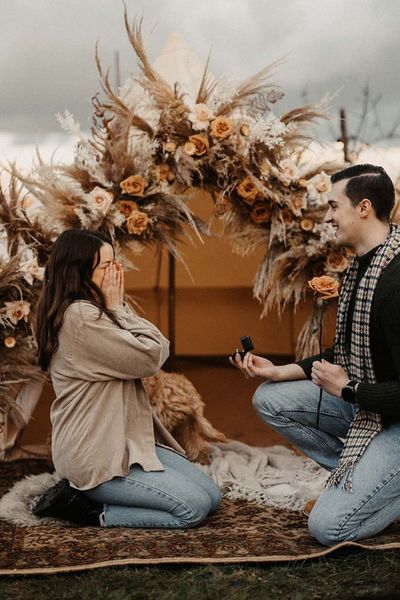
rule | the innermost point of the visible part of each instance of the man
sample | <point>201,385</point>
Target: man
<point>358,438</point>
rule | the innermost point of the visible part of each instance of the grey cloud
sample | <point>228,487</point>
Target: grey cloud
<point>47,58</point>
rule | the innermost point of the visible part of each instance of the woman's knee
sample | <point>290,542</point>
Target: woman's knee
<point>194,509</point>
<point>215,497</point>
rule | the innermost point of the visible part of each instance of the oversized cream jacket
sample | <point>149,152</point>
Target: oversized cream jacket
<point>101,418</point>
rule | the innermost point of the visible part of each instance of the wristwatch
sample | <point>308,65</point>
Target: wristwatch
<point>349,393</point>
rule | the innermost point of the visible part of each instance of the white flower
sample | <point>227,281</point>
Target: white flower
<point>17,310</point>
<point>288,172</point>
<point>200,116</point>
<point>30,270</point>
<point>69,124</point>
<point>326,233</point>
<point>269,130</point>
<point>318,188</point>
<point>100,199</point>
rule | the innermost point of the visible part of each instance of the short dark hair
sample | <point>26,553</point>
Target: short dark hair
<point>368,181</point>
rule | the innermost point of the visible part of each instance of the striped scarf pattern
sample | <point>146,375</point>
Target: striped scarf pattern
<point>358,362</point>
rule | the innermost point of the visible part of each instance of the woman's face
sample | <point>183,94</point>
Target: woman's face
<point>106,256</point>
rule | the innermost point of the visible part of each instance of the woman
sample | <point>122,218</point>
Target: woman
<point>106,442</point>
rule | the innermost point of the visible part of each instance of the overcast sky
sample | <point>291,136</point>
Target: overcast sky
<point>47,51</point>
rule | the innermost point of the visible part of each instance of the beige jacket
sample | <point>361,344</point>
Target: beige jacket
<point>102,419</point>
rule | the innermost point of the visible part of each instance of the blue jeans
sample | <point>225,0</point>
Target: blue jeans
<point>181,496</point>
<point>291,409</point>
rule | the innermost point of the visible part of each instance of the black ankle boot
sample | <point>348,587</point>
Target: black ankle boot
<point>64,502</point>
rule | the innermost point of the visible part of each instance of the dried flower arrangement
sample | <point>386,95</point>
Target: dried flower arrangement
<point>148,145</point>
<point>25,244</point>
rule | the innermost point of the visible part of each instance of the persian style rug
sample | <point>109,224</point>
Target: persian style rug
<point>242,531</point>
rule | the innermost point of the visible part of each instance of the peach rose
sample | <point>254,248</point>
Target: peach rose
<point>134,185</point>
<point>336,262</point>
<point>307,224</point>
<point>325,287</point>
<point>101,199</point>
<point>137,222</point>
<point>261,212</point>
<point>126,207</point>
<point>197,145</point>
<point>221,128</point>
<point>10,341</point>
<point>248,190</point>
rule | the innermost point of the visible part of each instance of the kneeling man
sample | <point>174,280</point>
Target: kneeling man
<point>359,423</point>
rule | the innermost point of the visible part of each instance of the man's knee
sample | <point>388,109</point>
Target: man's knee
<point>270,398</point>
<point>326,526</point>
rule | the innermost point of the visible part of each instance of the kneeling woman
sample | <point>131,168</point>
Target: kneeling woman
<point>119,465</point>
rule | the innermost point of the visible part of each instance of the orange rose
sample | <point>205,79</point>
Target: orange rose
<point>307,224</point>
<point>261,212</point>
<point>336,262</point>
<point>325,287</point>
<point>126,207</point>
<point>247,190</point>
<point>134,185</point>
<point>10,341</point>
<point>221,128</point>
<point>137,222</point>
<point>197,145</point>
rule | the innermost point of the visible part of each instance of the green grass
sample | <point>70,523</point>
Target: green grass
<point>350,575</point>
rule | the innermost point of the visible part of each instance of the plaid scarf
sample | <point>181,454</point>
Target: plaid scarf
<point>358,362</point>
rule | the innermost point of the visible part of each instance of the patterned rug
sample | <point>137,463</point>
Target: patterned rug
<point>240,532</point>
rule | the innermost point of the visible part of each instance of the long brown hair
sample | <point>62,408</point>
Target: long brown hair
<point>68,277</point>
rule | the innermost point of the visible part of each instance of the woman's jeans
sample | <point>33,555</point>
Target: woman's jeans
<point>290,408</point>
<point>181,496</point>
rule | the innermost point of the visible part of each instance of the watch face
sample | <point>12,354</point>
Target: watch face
<point>348,393</point>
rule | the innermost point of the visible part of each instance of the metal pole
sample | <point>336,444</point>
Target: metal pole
<point>343,134</point>
<point>171,311</point>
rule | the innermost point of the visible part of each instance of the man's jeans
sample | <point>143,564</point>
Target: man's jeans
<point>181,496</point>
<point>291,409</point>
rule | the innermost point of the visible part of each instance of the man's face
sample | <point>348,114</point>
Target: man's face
<point>343,216</point>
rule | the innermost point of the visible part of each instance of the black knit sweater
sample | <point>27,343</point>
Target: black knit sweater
<point>384,396</point>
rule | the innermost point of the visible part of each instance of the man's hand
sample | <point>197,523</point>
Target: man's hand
<point>331,378</point>
<point>254,366</point>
